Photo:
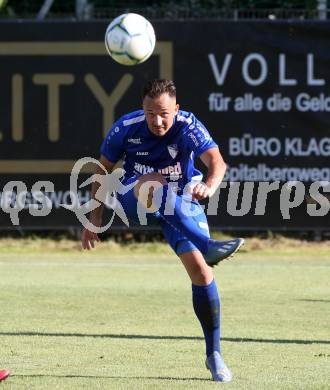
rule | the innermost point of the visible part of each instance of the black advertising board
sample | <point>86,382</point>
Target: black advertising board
<point>261,88</point>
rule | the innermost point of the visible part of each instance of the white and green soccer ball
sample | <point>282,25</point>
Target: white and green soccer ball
<point>130,39</point>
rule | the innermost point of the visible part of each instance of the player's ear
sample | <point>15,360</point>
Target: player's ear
<point>177,106</point>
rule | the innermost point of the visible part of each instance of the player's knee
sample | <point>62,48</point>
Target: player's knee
<point>151,178</point>
<point>201,275</point>
<point>204,278</point>
<point>146,186</point>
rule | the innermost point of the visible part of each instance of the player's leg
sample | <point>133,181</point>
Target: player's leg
<point>206,303</point>
<point>205,296</point>
<point>130,205</point>
<point>198,271</point>
<point>154,193</point>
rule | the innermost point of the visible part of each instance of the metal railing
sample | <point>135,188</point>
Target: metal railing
<point>189,14</point>
<point>86,10</point>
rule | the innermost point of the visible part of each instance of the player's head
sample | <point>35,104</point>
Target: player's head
<point>159,105</point>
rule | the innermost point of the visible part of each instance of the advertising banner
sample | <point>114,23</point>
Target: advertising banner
<point>260,88</point>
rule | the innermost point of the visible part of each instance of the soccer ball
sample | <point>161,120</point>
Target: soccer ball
<point>130,39</point>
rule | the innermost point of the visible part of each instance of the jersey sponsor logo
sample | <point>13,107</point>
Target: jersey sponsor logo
<point>173,172</point>
<point>143,169</point>
<point>142,153</point>
<point>171,169</point>
<point>173,150</point>
<point>136,141</point>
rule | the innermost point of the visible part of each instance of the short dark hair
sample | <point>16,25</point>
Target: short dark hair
<point>155,88</point>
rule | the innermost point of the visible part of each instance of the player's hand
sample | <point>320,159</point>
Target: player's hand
<point>88,238</point>
<point>201,191</point>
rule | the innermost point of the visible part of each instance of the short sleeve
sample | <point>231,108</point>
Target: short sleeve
<point>199,139</point>
<point>113,145</point>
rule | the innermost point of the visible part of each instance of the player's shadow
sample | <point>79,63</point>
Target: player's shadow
<point>169,378</point>
<point>156,337</point>
<point>314,300</point>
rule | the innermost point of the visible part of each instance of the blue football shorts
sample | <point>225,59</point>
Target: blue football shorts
<point>178,242</point>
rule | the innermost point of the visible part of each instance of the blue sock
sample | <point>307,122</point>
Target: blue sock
<point>206,302</point>
<point>173,212</point>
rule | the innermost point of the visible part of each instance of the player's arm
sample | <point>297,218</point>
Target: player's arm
<point>95,217</point>
<point>216,168</point>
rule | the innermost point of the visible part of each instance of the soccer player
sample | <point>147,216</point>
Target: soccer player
<point>159,145</point>
<point>4,374</point>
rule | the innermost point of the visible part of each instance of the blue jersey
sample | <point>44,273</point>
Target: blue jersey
<point>172,155</point>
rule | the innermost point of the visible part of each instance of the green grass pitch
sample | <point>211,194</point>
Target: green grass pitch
<point>121,318</point>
